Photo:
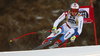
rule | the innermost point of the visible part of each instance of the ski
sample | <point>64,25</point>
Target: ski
<point>53,46</point>
<point>44,45</point>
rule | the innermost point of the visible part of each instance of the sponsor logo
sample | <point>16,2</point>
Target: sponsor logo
<point>84,14</point>
<point>67,35</point>
<point>74,5</point>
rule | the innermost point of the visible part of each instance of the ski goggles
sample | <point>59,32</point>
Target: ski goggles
<point>74,10</point>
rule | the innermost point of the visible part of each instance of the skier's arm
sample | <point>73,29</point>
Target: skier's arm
<point>79,31</point>
<point>80,25</point>
<point>59,20</point>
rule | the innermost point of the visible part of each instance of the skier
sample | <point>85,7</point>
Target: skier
<point>72,28</point>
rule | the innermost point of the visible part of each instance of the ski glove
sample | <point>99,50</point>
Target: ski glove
<point>54,30</point>
<point>73,38</point>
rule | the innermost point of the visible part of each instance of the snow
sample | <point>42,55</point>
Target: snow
<point>68,51</point>
<point>55,11</point>
<point>39,17</point>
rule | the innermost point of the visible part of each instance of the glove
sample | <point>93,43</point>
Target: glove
<point>72,39</point>
<point>54,30</point>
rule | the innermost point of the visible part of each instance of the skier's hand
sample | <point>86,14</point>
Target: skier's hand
<point>54,30</point>
<point>72,39</point>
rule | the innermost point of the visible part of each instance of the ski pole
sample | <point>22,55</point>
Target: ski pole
<point>29,34</point>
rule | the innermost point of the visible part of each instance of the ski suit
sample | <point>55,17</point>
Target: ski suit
<point>72,26</point>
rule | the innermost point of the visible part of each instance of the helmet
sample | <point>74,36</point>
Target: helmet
<point>74,7</point>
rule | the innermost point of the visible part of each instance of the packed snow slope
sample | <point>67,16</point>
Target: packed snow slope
<point>68,51</point>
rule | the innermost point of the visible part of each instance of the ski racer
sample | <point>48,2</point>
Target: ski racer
<point>72,28</point>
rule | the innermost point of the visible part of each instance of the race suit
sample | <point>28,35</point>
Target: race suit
<point>72,26</point>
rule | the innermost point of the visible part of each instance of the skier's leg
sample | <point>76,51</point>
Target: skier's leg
<point>71,32</point>
<point>65,36</point>
<point>74,36</point>
<point>68,31</point>
<point>59,31</point>
<point>52,35</point>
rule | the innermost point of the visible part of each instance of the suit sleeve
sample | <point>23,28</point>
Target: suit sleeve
<point>62,17</point>
<point>80,25</point>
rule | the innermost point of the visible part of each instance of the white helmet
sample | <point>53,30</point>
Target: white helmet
<point>74,6</point>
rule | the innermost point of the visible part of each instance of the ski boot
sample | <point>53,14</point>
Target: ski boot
<point>56,44</point>
<point>46,40</point>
